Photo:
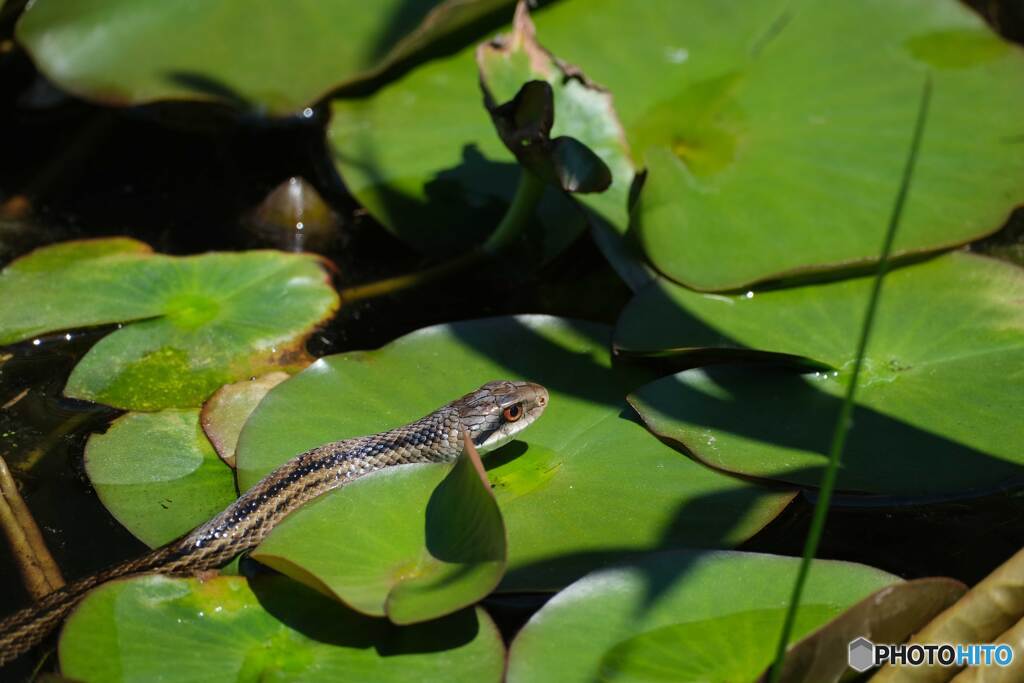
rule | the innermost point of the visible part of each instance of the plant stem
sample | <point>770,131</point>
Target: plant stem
<point>512,224</point>
<point>39,571</point>
<point>396,284</point>
<point>517,217</point>
<point>828,481</point>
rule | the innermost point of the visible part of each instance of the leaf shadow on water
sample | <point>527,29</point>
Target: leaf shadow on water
<point>329,622</point>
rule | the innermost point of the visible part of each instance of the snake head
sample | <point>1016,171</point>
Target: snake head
<point>496,412</point>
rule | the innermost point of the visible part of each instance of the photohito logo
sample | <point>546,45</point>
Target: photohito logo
<point>863,654</point>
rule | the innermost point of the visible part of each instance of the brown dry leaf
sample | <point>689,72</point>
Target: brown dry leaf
<point>224,414</point>
<point>989,609</point>
<point>889,615</point>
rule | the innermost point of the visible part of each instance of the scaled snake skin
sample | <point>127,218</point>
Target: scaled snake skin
<point>489,416</point>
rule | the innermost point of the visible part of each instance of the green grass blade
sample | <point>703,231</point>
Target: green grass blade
<point>843,423</point>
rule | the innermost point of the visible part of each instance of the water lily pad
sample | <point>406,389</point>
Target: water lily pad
<point>776,146</point>
<point>198,322</point>
<point>440,548</point>
<point>586,483</point>
<point>157,628</point>
<point>125,53</point>
<point>226,411</point>
<point>584,633</point>
<point>688,651</point>
<point>422,156</point>
<point>937,410</point>
<point>158,474</point>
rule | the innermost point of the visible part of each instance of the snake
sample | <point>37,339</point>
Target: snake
<point>487,417</point>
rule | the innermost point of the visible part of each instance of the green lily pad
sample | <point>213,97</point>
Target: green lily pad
<point>586,632</point>
<point>197,322</point>
<point>126,53</point>
<point>158,475</point>
<point>778,149</point>
<point>423,158</point>
<point>585,484</point>
<point>440,548</point>
<point>936,410</point>
<point>226,411</point>
<point>705,650</point>
<point>225,629</point>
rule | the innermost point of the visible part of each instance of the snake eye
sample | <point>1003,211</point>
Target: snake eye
<point>513,412</point>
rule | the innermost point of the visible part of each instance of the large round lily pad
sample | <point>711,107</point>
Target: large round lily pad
<point>722,609</point>
<point>440,548</point>
<point>226,629</point>
<point>197,322</point>
<point>265,56</point>
<point>776,145</point>
<point>937,406</point>
<point>158,474</point>
<point>773,139</point>
<point>586,483</point>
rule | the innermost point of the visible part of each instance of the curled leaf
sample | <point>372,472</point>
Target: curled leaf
<point>518,64</point>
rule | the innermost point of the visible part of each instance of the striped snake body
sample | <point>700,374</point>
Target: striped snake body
<point>489,416</point>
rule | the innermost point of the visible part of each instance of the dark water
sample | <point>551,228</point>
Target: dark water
<point>183,180</point>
